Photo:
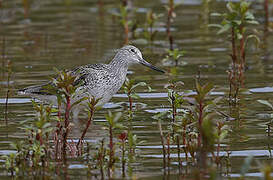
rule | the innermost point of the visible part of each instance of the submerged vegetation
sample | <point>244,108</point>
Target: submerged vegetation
<point>237,21</point>
<point>191,131</point>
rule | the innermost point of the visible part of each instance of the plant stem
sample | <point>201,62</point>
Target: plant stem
<point>170,12</point>
<point>126,30</point>
<point>184,142</point>
<point>57,132</point>
<point>101,159</point>
<point>200,119</point>
<point>66,123</point>
<point>242,58</point>
<point>8,91</point>
<point>6,106</point>
<point>178,153</point>
<point>173,107</point>
<point>124,3</point>
<point>3,53</point>
<point>130,102</point>
<point>234,58</point>
<point>268,130</point>
<point>123,158</point>
<point>173,112</point>
<point>92,111</point>
<point>169,151</point>
<point>163,144</point>
<point>169,19</point>
<point>111,155</point>
<point>219,127</point>
<point>266,15</point>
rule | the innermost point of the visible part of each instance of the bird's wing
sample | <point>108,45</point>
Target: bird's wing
<point>89,75</point>
<point>86,75</point>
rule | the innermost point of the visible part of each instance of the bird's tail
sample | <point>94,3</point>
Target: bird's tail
<point>34,90</point>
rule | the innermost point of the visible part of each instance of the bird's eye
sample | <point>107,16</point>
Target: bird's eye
<point>132,50</point>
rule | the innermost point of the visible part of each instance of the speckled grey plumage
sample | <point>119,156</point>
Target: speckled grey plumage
<point>98,80</point>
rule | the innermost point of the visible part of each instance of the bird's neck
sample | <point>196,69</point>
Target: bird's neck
<point>119,65</point>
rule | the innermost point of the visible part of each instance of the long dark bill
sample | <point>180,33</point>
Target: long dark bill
<point>145,63</point>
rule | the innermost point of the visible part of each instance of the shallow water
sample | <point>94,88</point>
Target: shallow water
<point>69,33</point>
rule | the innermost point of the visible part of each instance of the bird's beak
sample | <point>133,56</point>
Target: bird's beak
<point>145,63</point>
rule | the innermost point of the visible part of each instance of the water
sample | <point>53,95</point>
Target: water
<point>66,34</point>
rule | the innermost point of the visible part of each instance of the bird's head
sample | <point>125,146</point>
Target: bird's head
<point>134,56</point>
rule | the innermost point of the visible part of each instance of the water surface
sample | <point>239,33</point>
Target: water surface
<point>66,34</point>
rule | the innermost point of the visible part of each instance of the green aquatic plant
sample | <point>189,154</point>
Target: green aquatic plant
<point>173,135</point>
<point>122,143</point>
<point>116,150</point>
<point>111,125</point>
<point>170,7</point>
<point>63,88</point>
<point>10,164</point>
<point>27,5</point>
<point>237,21</point>
<point>174,98</point>
<point>100,158</point>
<point>9,74</point>
<point>129,86</point>
<point>201,105</point>
<point>162,143</point>
<point>33,154</point>
<point>6,69</point>
<point>124,20</point>
<point>211,130</point>
<point>266,10</point>
<point>104,155</point>
<point>96,158</point>
<point>3,54</point>
<point>211,127</point>
<point>266,169</point>
<point>151,19</point>
<point>40,129</point>
<point>174,55</point>
<point>192,126</point>
<point>221,134</point>
<point>91,108</point>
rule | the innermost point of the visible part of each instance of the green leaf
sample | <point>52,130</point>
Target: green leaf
<point>237,22</point>
<point>161,115</point>
<point>46,125</point>
<point>119,126</point>
<point>216,14</point>
<point>265,102</point>
<point>215,25</point>
<point>79,101</point>
<point>239,36</point>
<point>252,22</point>
<point>117,116</point>
<point>230,6</point>
<point>139,84</point>
<point>135,96</point>
<point>224,28</point>
<point>256,38</point>
<point>223,135</point>
<point>244,6</point>
<point>208,87</point>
